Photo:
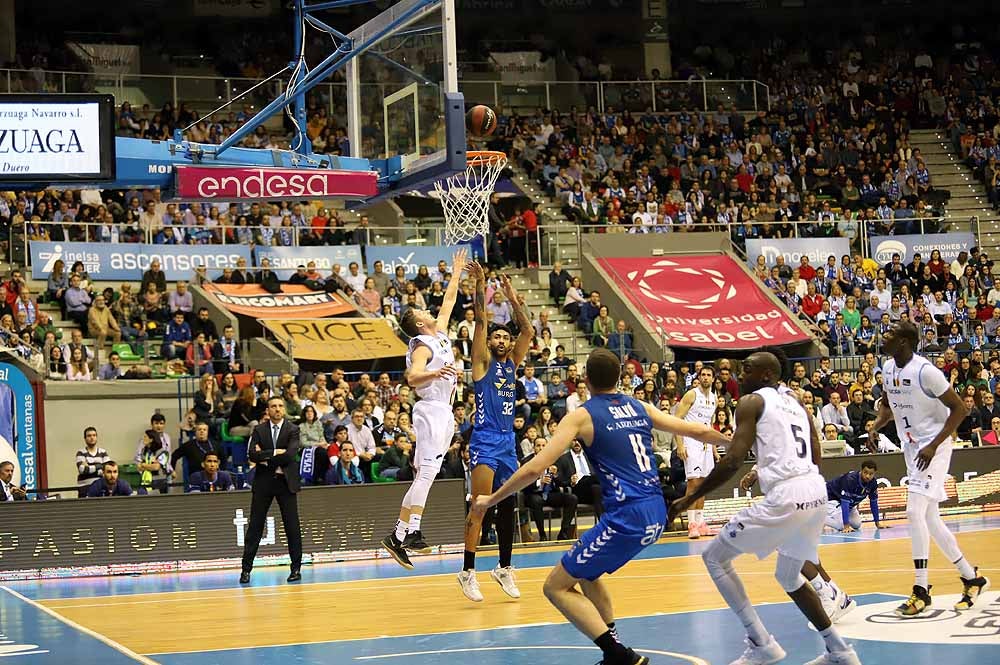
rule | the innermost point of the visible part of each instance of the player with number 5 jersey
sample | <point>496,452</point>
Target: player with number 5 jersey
<point>616,431</point>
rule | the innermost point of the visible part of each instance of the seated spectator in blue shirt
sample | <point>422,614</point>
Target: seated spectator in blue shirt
<point>589,310</point>
<point>845,493</point>
<point>556,392</point>
<point>344,471</point>
<point>462,422</point>
<point>177,338</point>
<point>109,484</point>
<point>620,341</point>
<point>210,479</point>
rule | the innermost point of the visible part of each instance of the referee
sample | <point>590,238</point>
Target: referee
<point>273,447</point>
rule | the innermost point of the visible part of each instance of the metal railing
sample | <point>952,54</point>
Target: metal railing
<point>203,93</point>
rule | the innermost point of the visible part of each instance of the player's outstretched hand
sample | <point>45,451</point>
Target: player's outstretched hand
<point>481,504</point>
<point>475,270</point>
<point>508,288</point>
<point>748,480</point>
<point>924,457</point>
<point>676,508</point>
<point>882,526</point>
<point>847,529</point>
<point>458,262</point>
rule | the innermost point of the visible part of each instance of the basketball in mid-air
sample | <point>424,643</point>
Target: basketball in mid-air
<point>480,121</point>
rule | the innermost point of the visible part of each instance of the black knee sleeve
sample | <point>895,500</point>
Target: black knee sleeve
<point>505,529</point>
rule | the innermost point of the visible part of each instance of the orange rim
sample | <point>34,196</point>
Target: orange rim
<point>484,157</point>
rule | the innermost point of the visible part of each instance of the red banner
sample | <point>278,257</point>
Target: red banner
<point>248,183</point>
<point>294,302</point>
<point>703,301</point>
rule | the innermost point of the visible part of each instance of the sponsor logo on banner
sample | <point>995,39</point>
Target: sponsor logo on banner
<point>525,66</point>
<point>107,58</point>
<point>340,339</point>
<point>45,136</point>
<point>127,261</point>
<point>253,183</point>
<point>949,244</point>
<point>793,249</point>
<point>285,260</point>
<point>17,425</point>
<point>703,301</point>
<point>409,256</point>
<point>294,302</point>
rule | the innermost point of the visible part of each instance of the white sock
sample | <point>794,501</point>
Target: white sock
<point>834,642</point>
<point>691,517</point>
<point>696,517</point>
<point>415,522</point>
<point>965,568</point>
<point>400,530</point>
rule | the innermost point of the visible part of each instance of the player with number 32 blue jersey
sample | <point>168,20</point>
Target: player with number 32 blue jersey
<point>616,431</point>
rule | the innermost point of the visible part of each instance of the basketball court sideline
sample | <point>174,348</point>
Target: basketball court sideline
<point>377,612</point>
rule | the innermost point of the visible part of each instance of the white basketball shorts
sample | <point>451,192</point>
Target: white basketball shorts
<point>434,425</point>
<point>930,481</point>
<point>700,460</point>
<point>788,519</point>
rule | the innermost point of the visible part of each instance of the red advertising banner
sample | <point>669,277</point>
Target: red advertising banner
<point>294,302</point>
<point>703,301</point>
<point>248,183</point>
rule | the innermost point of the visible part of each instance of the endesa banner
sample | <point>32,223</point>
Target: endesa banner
<point>250,183</point>
<point>339,339</point>
<point>127,261</point>
<point>294,302</point>
<point>949,244</point>
<point>285,260</point>
<point>703,301</point>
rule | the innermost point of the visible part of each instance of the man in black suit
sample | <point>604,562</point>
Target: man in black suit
<point>9,492</point>
<point>273,447</point>
<point>241,275</point>
<point>576,473</point>
<point>547,491</point>
<point>267,278</point>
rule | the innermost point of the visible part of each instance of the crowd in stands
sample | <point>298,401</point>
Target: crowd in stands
<point>852,301</point>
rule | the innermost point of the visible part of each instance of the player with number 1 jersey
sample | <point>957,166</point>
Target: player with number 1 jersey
<point>616,431</point>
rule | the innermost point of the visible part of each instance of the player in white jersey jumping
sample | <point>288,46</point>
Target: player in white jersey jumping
<point>771,421</point>
<point>698,406</point>
<point>430,371</point>
<point>927,412</point>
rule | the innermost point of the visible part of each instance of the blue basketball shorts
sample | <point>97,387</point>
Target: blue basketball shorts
<point>495,450</point>
<point>616,539</point>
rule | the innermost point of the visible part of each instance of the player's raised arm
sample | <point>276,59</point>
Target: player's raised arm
<point>567,431</point>
<point>748,411</point>
<point>673,424</point>
<point>480,352</point>
<point>526,332</point>
<point>451,293</point>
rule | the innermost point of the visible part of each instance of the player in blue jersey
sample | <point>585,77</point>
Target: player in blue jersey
<point>492,452</point>
<point>616,432</point>
<point>845,493</point>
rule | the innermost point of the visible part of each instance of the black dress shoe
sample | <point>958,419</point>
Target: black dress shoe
<point>296,576</point>
<point>245,577</point>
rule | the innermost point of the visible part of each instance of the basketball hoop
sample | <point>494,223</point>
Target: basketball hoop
<point>465,197</point>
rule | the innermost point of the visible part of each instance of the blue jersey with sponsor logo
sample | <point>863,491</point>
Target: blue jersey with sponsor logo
<point>495,395</point>
<point>622,450</point>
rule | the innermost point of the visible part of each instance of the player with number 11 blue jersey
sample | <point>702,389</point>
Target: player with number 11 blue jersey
<point>616,431</point>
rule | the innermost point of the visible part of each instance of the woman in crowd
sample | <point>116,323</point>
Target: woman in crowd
<point>58,282</point>
<point>574,300</point>
<point>241,416</point>
<point>198,358</point>
<point>208,405</point>
<point>78,368</point>
<point>369,297</point>
<point>310,429</point>
<point>602,328</point>
<point>228,391</point>
<point>321,400</point>
<point>57,366</point>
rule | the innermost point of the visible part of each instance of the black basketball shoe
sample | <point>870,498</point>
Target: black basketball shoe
<point>396,550</point>
<point>414,542</point>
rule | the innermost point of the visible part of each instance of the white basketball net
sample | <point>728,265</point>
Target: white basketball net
<point>465,198</point>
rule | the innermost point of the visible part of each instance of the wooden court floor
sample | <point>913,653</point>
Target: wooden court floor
<point>381,601</point>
